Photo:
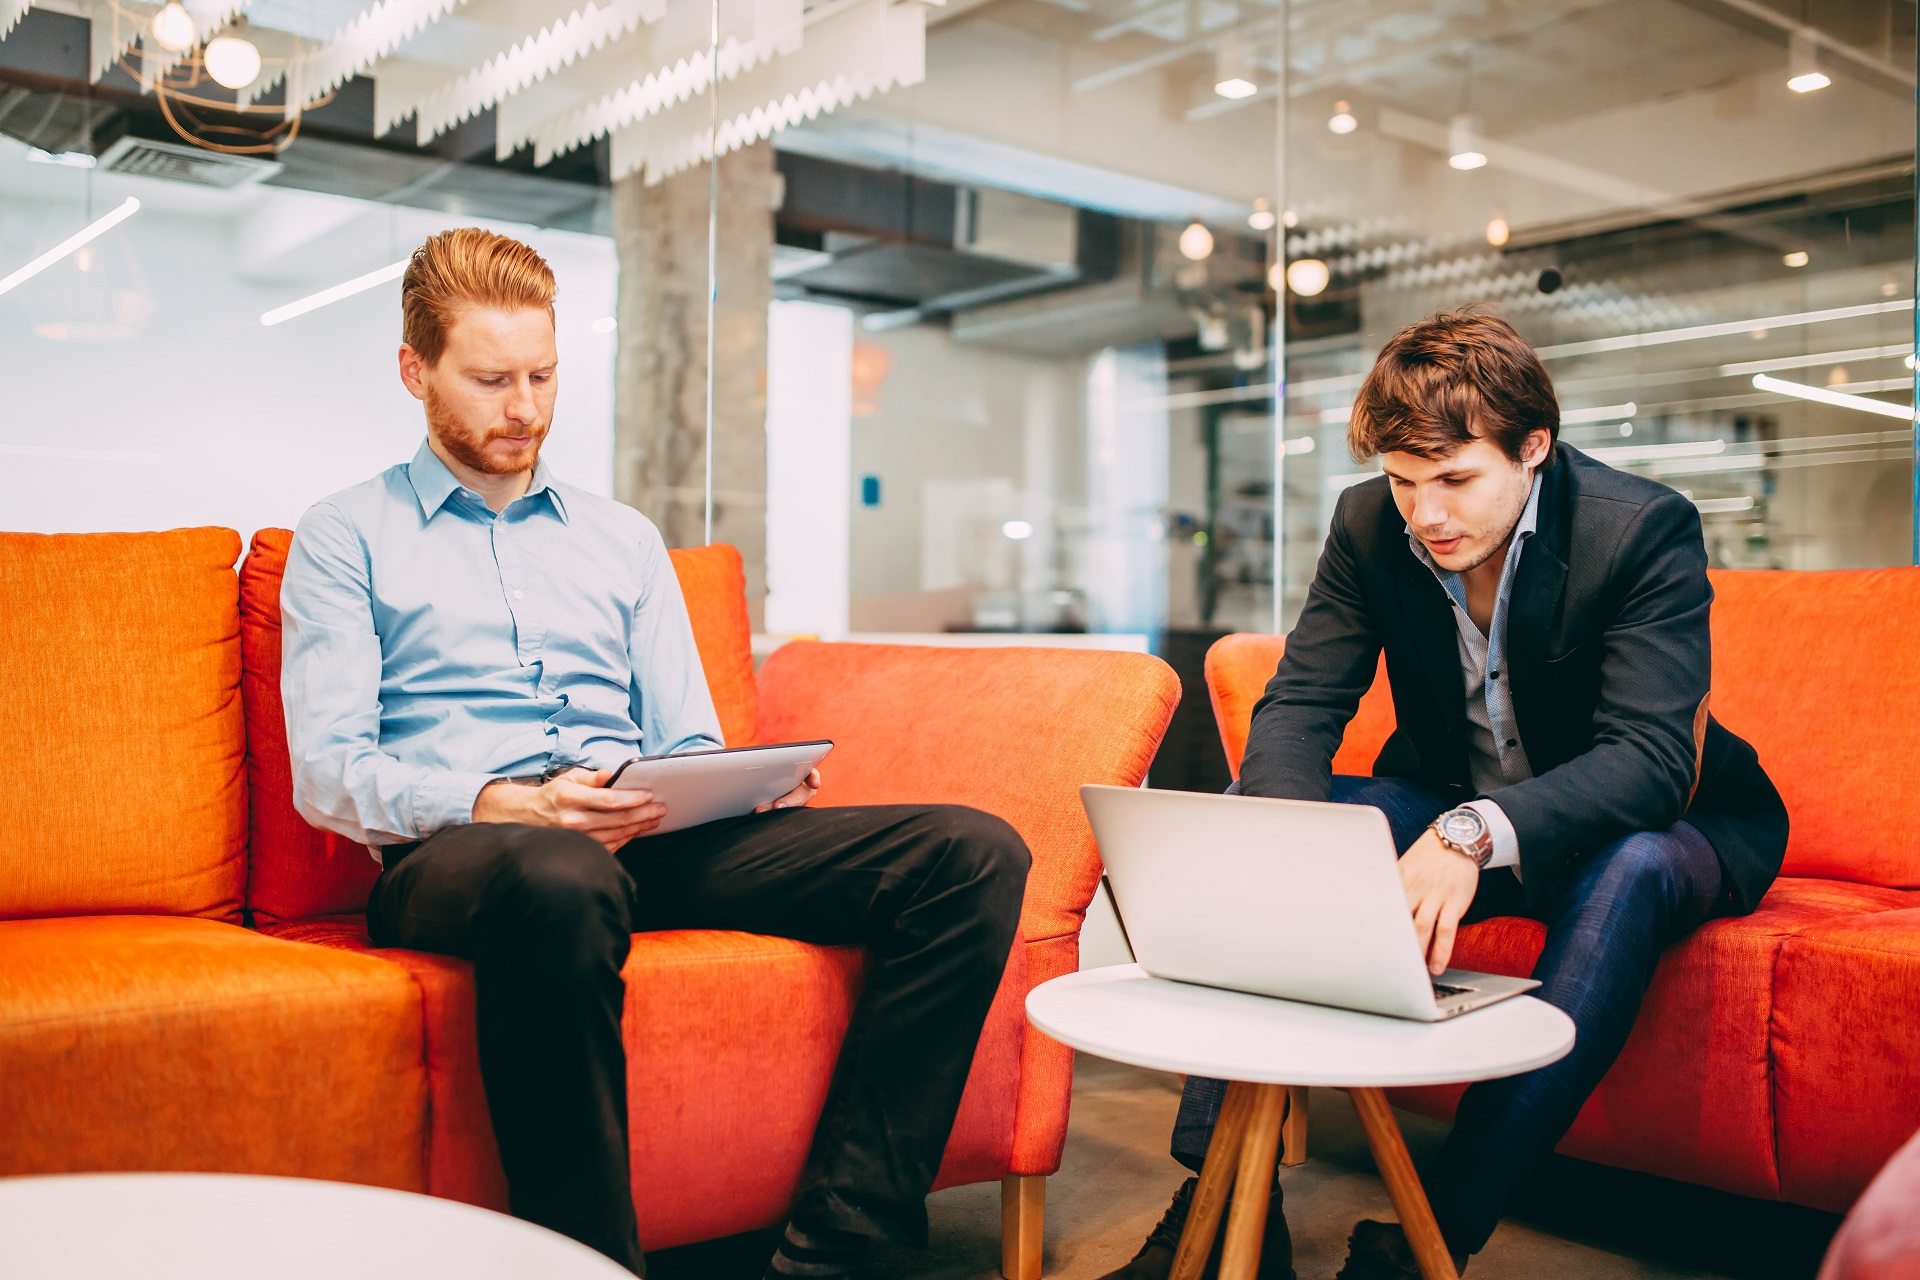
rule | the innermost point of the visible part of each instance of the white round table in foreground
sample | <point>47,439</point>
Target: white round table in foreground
<point>205,1226</point>
<point>1264,1046</point>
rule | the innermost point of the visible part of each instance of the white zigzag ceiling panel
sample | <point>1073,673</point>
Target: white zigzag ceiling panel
<point>558,74</point>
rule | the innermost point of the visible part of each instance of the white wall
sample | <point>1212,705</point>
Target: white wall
<point>202,415</point>
<point>809,468</point>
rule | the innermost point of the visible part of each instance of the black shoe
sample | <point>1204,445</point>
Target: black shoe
<point>1155,1259</point>
<point>1379,1251</point>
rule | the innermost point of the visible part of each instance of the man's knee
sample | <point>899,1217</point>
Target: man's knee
<point>560,890</point>
<point>986,853</point>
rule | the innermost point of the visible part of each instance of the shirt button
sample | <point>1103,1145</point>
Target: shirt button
<point>1513,742</point>
<point>1493,675</point>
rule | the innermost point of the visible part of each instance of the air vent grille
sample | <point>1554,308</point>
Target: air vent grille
<point>179,162</point>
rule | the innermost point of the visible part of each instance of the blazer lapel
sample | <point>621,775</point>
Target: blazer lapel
<point>1427,615</point>
<point>1542,577</point>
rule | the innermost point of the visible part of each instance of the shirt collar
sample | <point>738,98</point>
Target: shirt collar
<point>433,484</point>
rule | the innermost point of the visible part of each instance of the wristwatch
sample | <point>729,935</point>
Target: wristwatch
<point>1465,832</point>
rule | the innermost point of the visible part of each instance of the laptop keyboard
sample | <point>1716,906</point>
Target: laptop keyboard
<point>1441,991</point>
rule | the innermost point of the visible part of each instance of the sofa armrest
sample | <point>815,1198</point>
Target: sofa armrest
<point>1011,731</point>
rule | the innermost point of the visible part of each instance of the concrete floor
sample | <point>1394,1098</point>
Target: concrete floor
<point>1579,1220</point>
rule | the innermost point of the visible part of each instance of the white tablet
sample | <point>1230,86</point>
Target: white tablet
<point>703,786</point>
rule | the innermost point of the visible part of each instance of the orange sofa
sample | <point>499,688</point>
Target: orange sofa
<point>1777,1054</point>
<point>186,982</point>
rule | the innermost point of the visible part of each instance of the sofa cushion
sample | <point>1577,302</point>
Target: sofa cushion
<point>158,1043</point>
<point>120,657</point>
<point>1816,671</point>
<point>1238,669</point>
<point>298,871</point>
<point>1696,1071</point>
<point>1846,1051</point>
<point>731,1041</point>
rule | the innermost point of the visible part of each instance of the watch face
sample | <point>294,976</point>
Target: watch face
<point>1463,826</point>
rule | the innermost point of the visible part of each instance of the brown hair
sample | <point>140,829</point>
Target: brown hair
<point>1453,378</point>
<point>467,267</point>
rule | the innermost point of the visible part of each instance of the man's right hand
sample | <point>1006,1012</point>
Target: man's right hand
<point>577,800</point>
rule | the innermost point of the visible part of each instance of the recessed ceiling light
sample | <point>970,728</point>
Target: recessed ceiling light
<point>1342,120</point>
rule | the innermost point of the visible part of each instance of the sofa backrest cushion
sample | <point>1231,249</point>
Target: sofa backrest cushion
<point>120,729</point>
<point>1814,668</point>
<point>298,871</point>
<point>1817,670</point>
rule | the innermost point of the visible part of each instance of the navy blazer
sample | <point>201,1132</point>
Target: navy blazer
<point>1608,654</point>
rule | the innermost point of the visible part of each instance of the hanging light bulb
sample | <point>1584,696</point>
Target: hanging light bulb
<point>1498,232</point>
<point>1308,277</point>
<point>232,61</point>
<point>1196,242</point>
<point>1463,144</point>
<point>1803,65</point>
<point>1233,72</point>
<point>1289,219</point>
<point>172,28</point>
<point>1261,219</point>
<point>1342,119</point>
<point>1277,276</point>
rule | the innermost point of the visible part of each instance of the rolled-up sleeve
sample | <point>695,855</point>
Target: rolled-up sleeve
<point>330,687</point>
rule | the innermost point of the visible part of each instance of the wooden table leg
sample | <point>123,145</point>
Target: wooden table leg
<point>1403,1184</point>
<point>1216,1180</point>
<point>1252,1190</point>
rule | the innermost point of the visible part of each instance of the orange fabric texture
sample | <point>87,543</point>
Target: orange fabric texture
<point>120,657</point>
<point>158,1043</point>
<point>1238,669</point>
<point>714,581</point>
<point>1012,731</point>
<point>462,1159</point>
<point>720,1125</point>
<point>299,872</point>
<point>1816,670</point>
<point>1846,1050</point>
<point>1880,1240</point>
<point>1046,1070</point>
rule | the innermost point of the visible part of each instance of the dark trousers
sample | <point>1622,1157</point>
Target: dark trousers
<point>1607,924</point>
<point>546,916</point>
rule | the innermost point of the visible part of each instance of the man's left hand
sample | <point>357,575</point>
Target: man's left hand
<point>1440,885</point>
<point>798,797</point>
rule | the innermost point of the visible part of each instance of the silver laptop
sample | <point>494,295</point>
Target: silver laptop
<point>1275,897</point>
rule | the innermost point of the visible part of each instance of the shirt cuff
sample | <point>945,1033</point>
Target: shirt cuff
<point>1506,841</point>
<point>446,800</point>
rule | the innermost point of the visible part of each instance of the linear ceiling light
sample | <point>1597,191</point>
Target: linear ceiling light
<point>314,301</point>
<point>1803,65</point>
<point>1840,398</point>
<point>106,222</point>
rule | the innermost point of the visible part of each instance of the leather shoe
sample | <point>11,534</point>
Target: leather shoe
<point>1379,1251</point>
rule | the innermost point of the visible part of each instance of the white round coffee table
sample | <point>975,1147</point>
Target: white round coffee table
<point>210,1226</point>
<point>1263,1045</point>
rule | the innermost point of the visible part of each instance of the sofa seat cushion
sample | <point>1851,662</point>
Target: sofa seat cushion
<point>120,656</point>
<point>1696,1069</point>
<point>157,1043</point>
<point>1846,1051</point>
<point>731,1042</point>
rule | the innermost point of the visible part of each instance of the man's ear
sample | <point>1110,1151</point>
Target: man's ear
<point>412,371</point>
<point>1538,444</point>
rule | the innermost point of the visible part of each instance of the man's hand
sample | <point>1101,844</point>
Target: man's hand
<point>796,798</point>
<point>1440,885</point>
<point>577,800</point>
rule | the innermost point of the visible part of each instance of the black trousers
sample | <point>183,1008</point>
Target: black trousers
<point>546,916</point>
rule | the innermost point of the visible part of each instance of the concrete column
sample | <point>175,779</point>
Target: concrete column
<point>660,399</point>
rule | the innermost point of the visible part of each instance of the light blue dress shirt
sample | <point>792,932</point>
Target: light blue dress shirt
<point>431,646</point>
<point>1495,756</point>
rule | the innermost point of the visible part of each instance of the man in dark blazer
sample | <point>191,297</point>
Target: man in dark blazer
<point>1544,619</point>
